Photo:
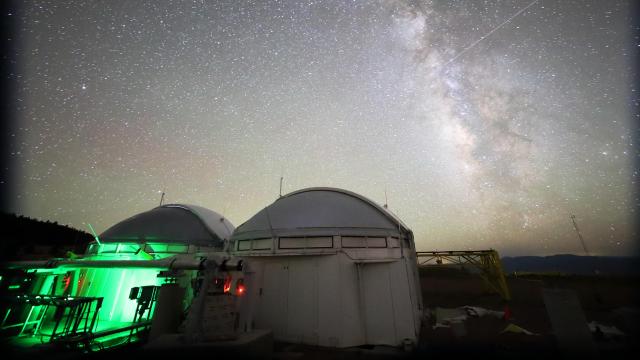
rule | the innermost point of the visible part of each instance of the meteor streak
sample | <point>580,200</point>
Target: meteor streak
<point>489,33</point>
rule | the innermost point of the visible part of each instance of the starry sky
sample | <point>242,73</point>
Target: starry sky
<point>486,123</point>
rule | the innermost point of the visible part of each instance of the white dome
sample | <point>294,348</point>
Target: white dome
<point>321,211</point>
<point>187,224</point>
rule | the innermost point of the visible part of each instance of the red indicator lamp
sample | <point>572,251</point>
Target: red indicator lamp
<point>240,289</point>
<point>227,284</point>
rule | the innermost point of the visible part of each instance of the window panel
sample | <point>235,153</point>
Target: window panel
<point>394,243</point>
<point>376,242</point>
<point>292,243</point>
<point>320,242</point>
<point>177,248</point>
<point>244,245</point>
<point>353,242</point>
<point>107,248</point>
<point>261,244</point>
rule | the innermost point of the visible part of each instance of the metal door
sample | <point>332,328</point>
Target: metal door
<point>272,303</point>
<point>302,316</point>
<point>377,304</point>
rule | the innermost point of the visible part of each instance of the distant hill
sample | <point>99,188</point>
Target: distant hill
<point>573,264</point>
<point>23,238</point>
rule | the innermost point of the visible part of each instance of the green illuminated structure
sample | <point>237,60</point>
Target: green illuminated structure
<point>104,289</point>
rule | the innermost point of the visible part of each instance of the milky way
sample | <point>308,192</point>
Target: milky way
<point>486,123</point>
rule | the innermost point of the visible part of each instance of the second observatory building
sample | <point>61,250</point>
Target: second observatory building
<point>332,268</point>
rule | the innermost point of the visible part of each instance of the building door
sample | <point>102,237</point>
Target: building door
<point>288,300</point>
<point>302,312</point>
<point>377,303</point>
<point>272,303</point>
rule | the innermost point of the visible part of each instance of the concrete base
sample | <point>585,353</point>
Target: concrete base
<point>255,344</point>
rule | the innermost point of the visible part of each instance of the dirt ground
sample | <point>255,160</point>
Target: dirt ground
<point>611,301</point>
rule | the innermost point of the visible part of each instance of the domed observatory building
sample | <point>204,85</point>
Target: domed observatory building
<point>332,268</point>
<point>164,231</point>
<point>160,257</point>
<point>187,231</point>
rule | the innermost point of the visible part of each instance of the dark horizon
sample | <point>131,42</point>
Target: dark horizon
<point>42,240</point>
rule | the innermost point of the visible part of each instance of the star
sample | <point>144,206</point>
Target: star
<point>485,123</point>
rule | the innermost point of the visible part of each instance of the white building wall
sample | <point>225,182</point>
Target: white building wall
<point>329,300</point>
<point>351,329</point>
<point>330,308</point>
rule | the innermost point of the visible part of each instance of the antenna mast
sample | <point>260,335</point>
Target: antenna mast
<point>161,198</point>
<point>575,226</point>
<point>386,202</point>
<point>281,178</point>
<point>596,293</point>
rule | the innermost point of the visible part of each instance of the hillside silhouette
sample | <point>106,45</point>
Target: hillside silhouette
<point>24,238</point>
<point>573,264</point>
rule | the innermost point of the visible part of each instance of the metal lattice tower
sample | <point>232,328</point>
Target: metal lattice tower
<point>487,261</point>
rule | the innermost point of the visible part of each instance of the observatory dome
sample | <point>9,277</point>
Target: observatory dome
<point>321,211</point>
<point>174,223</point>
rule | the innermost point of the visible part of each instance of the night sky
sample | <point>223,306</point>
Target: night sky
<point>486,123</point>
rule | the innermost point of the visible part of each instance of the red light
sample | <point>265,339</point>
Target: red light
<point>240,287</point>
<point>227,284</point>
<point>67,281</point>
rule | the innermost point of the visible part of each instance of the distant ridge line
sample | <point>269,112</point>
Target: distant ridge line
<point>573,264</point>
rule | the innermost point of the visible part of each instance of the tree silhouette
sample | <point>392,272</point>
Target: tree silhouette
<point>23,238</point>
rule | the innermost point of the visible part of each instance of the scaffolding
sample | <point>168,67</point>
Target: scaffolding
<point>487,261</point>
<point>76,314</point>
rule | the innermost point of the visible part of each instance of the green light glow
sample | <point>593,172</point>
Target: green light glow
<point>147,250</point>
<point>94,233</point>
<point>112,284</point>
<point>105,342</point>
<point>115,302</point>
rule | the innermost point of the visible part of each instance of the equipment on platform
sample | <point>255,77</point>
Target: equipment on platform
<point>487,261</point>
<point>77,314</point>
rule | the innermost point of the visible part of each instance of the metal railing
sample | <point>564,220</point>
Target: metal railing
<point>487,261</point>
